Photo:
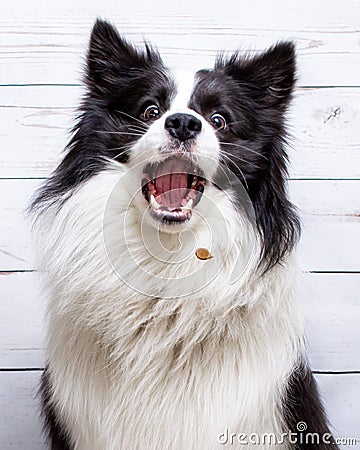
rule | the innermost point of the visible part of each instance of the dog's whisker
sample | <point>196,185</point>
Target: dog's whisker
<point>244,147</point>
<point>127,133</point>
<point>234,123</point>
<point>137,127</point>
<point>119,154</point>
<point>123,150</point>
<point>132,117</point>
<point>230,156</point>
<point>238,168</point>
<point>117,148</point>
<point>136,130</point>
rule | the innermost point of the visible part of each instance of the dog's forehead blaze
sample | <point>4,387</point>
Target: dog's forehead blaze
<point>184,81</point>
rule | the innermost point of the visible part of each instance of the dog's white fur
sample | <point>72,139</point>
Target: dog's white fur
<point>149,367</point>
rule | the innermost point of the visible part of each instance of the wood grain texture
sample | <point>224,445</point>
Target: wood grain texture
<point>36,123</point>
<point>22,312</point>
<point>331,306</point>
<point>330,213</point>
<point>46,45</point>
<point>342,400</point>
<point>20,426</point>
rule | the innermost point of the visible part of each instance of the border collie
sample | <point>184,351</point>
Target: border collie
<point>165,241</point>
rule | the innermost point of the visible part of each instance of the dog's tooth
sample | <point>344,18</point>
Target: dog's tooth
<point>153,202</point>
<point>188,205</point>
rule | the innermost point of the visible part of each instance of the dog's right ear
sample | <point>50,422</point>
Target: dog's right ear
<point>270,76</point>
<point>111,57</point>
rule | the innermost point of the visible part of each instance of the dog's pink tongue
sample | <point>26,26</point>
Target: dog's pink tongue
<point>171,183</point>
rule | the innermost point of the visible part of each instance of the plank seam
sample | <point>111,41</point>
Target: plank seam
<point>340,86</point>
<point>331,272</point>
<point>334,272</point>
<point>289,179</point>
<point>315,372</point>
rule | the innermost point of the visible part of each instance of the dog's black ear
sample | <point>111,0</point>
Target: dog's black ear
<point>111,57</point>
<point>271,76</point>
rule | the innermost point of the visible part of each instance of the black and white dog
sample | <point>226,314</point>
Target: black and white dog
<point>166,245</point>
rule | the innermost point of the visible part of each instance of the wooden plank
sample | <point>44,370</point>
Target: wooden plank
<point>324,126</point>
<point>21,321</point>
<point>46,45</point>
<point>329,210</point>
<point>341,394</point>
<point>330,301</point>
<point>36,122</point>
<point>15,236</point>
<point>36,126</point>
<point>322,198</point>
<point>20,427</point>
<point>330,213</point>
<point>332,312</point>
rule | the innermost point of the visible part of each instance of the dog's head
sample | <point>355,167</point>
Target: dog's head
<point>179,131</point>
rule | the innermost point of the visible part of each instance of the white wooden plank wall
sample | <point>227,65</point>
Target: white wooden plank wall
<point>41,53</point>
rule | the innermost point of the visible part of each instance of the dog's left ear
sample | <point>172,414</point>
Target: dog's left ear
<point>111,58</point>
<point>271,76</point>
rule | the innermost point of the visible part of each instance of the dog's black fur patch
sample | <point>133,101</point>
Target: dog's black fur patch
<point>302,403</point>
<point>55,432</point>
<point>121,81</point>
<point>253,95</point>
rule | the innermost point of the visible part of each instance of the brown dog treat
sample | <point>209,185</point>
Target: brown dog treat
<point>203,253</point>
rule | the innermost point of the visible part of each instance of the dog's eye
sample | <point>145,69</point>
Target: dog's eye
<point>218,121</point>
<point>151,112</point>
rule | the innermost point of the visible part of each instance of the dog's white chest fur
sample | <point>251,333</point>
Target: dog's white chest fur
<point>161,372</point>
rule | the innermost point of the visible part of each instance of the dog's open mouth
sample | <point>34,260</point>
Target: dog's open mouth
<point>172,187</point>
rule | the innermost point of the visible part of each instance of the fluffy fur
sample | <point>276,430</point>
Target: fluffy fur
<point>149,347</point>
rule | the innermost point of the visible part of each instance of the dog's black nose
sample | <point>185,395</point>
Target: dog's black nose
<point>183,126</point>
